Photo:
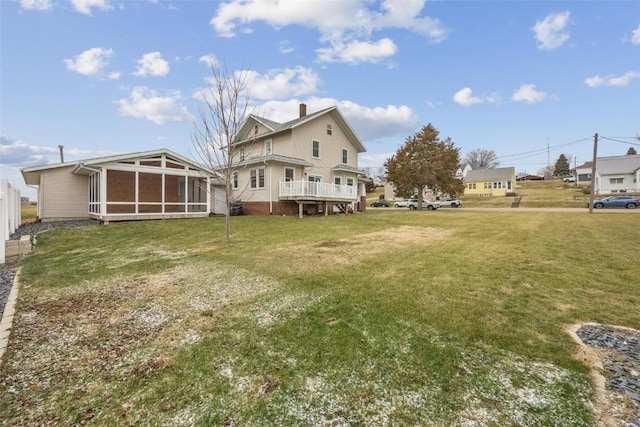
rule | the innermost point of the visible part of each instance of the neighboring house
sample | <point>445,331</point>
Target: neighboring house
<point>463,169</point>
<point>158,184</point>
<point>530,178</point>
<point>304,166</point>
<point>618,174</point>
<point>583,172</point>
<point>490,182</point>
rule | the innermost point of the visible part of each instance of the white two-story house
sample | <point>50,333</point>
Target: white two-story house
<point>308,165</point>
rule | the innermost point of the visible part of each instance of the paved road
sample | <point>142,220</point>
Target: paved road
<point>573,210</point>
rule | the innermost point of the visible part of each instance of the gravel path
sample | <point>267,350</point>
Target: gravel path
<point>8,269</point>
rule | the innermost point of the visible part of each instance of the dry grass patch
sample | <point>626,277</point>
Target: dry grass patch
<point>72,342</point>
<point>354,249</point>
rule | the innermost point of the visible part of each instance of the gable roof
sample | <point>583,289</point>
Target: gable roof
<point>31,174</point>
<point>275,127</point>
<point>484,175</point>
<point>618,164</point>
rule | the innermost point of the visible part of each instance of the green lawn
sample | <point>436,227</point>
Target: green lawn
<point>383,318</point>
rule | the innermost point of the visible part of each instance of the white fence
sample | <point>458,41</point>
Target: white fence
<point>10,213</point>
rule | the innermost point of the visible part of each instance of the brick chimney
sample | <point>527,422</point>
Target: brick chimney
<point>303,110</point>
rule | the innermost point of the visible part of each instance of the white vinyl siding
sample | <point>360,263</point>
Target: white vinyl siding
<point>64,195</point>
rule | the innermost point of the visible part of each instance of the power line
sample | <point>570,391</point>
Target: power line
<point>623,142</point>
<point>542,150</point>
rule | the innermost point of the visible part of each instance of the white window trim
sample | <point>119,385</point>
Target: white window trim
<point>268,147</point>
<point>264,175</point>
<point>235,180</point>
<point>312,150</point>
<point>293,177</point>
<point>345,150</point>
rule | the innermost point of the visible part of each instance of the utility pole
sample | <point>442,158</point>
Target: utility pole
<point>593,172</point>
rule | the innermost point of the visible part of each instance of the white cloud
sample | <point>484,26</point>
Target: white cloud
<point>286,47</point>
<point>465,98</point>
<point>152,64</point>
<point>36,4</point>
<point>551,32</point>
<point>275,84</point>
<point>635,36</point>
<point>85,6</point>
<point>528,93</point>
<point>209,60</point>
<point>18,153</point>
<point>619,81</point>
<point>347,28</point>
<point>115,75</point>
<point>144,103</point>
<point>358,51</point>
<point>369,123</point>
<point>90,62</point>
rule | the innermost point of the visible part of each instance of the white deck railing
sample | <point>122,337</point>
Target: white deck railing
<point>317,190</point>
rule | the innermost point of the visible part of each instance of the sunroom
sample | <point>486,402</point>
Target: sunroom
<point>155,184</point>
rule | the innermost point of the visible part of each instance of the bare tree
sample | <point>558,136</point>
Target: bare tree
<point>481,158</point>
<point>221,114</point>
<point>547,171</point>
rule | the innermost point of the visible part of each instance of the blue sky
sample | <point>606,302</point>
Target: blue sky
<point>105,77</point>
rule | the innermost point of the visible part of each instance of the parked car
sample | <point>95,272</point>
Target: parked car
<point>426,204</point>
<point>380,203</point>
<point>401,204</point>
<point>453,203</point>
<point>569,179</point>
<point>629,202</point>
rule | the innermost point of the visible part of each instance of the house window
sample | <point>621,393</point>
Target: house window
<point>242,154</point>
<point>350,182</point>
<point>329,129</point>
<point>235,180</point>
<point>487,186</point>
<point>345,156</point>
<point>337,180</point>
<point>257,178</point>
<point>315,153</point>
<point>255,130</point>
<point>267,147</point>
<point>616,180</point>
<point>472,185</point>
<point>288,174</point>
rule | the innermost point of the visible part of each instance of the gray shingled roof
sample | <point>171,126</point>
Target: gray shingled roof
<point>485,175</point>
<point>618,164</point>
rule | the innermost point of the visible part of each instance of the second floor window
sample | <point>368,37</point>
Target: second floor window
<point>255,130</point>
<point>329,129</point>
<point>315,152</point>
<point>235,180</point>
<point>267,147</point>
<point>345,156</point>
<point>257,178</point>
<point>242,154</point>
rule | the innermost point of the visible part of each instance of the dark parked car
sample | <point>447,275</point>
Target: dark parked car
<point>380,203</point>
<point>629,202</point>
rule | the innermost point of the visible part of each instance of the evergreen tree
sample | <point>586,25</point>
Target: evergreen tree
<point>424,161</point>
<point>631,151</point>
<point>562,166</point>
